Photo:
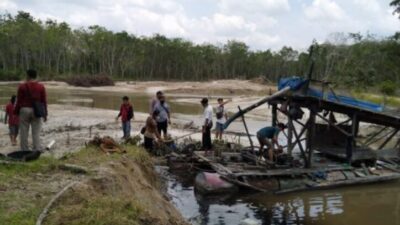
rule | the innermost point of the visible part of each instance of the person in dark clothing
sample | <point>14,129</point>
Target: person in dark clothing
<point>127,114</point>
<point>12,120</point>
<point>207,125</point>
<point>32,110</point>
<point>269,136</point>
<point>164,117</point>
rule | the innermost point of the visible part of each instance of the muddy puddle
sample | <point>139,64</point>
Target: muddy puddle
<point>102,100</point>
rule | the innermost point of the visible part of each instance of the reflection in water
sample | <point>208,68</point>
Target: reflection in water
<point>98,99</point>
<point>367,205</point>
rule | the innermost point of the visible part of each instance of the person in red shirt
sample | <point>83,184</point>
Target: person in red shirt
<point>12,120</point>
<point>31,94</point>
<point>126,113</point>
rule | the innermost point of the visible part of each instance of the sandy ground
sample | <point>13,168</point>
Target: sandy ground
<point>218,87</point>
<point>72,126</point>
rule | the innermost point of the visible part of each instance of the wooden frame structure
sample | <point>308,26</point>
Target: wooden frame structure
<point>315,107</point>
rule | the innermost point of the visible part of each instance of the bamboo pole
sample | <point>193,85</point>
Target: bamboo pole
<point>388,139</point>
<point>247,130</point>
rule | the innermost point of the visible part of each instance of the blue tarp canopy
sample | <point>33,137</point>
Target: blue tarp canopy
<point>296,83</point>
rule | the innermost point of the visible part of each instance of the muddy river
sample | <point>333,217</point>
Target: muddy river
<point>101,99</point>
<point>377,204</point>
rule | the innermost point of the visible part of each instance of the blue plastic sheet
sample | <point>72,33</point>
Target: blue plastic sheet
<point>295,83</point>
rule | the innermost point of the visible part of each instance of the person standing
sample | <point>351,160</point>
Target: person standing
<point>32,110</point>
<point>164,117</point>
<point>12,119</point>
<point>150,131</point>
<point>222,116</point>
<point>154,101</point>
<point>127,114</point>
<point>207,125</point>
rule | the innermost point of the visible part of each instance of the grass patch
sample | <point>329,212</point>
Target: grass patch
<point>26,188</point>
<point>392,101</point>
<point>23,191</point>
<point>92,156</point>
<point>90,208</point>
<point>42,165</point>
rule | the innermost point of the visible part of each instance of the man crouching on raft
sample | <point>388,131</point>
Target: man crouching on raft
<point>269,136</point>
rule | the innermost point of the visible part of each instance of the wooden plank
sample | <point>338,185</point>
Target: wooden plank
<point>359,180</point>
<point>243,184</point>
<point>359,174</point>
<point>294,171</point>
<point>384,165</point>
<point>349,174</point>
<point>222,170</point>
<point>365,169</point>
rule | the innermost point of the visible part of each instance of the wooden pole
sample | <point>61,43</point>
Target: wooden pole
<point>290,137</point>
<point>388,139</point>
<point>298,137</point>
<point>349,149</point>
<point>310,136</point>
<point>355,125</point>
<point>371,139</point>
<point>274,114</point>
<point>247,130</point>
<point>333,125</point>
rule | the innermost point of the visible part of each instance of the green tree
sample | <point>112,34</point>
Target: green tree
<point>396,5</point>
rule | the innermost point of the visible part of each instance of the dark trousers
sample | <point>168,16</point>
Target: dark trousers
<point>162,126</point>
<point>206,140</point>
<point>148,143</point>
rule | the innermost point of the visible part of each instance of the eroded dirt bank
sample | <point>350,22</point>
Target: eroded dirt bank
<point>116,189</point>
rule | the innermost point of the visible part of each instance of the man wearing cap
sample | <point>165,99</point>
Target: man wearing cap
<point>269,136</point>
<point>207,125</point>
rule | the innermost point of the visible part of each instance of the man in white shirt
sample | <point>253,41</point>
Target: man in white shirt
<point>207,125</point>
<point>154,101</point>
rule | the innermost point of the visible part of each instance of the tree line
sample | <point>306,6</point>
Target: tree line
<point>57,51</point>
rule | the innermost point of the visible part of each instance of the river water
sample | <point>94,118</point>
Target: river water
<point>376,204</point>
<point>100,99</point>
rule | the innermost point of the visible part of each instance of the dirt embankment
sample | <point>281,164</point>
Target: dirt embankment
<point>123,191</point>
<point>107,189</point>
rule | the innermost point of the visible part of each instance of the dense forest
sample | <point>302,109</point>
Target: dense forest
<point>58,51</point>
